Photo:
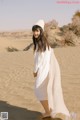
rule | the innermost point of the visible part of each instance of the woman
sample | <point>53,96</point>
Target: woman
<point>48,88</point>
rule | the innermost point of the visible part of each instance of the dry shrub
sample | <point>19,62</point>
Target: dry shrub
<point>11,49</point>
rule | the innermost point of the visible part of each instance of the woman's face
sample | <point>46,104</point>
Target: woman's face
<point>36,33</point>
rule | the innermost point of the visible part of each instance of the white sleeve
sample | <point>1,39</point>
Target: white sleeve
<point>38,60</point>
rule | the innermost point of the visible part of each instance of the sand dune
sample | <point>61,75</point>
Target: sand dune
<point>17,82</point>
<point>17,40</point>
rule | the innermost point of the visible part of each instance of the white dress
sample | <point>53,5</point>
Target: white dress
<point>48,81</point>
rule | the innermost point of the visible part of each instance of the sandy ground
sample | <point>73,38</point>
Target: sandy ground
<point>17,82</point>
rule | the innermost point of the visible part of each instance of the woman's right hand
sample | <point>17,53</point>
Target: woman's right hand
<point>35,74</point>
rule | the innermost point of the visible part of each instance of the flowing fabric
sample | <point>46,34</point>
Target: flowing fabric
<point>48,81</point>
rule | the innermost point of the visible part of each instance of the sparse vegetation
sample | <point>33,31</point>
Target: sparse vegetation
<point>65,35</point>
<point>11,49</point>
<point>57,36</point>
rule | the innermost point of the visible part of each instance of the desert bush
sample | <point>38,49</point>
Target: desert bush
<point>71,39</point>
<point>11,49</point>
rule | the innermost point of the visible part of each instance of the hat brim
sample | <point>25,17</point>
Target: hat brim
<point>35,27</point>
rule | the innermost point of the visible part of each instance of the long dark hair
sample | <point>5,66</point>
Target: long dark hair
<point>41,41</point>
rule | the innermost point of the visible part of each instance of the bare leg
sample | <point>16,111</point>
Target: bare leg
<point>45,106</point>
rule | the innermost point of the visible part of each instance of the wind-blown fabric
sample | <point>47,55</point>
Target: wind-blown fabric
<point>48,81</point>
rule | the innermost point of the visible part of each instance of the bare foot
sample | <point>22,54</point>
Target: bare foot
<point>45,115</point>
<point>53,115</point>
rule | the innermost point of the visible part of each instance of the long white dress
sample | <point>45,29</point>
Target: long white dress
<point>48,81</point>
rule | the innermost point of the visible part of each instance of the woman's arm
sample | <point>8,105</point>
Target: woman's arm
<point>38,59</point>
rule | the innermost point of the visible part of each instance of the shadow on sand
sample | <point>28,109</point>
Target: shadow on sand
<point>18,113</point>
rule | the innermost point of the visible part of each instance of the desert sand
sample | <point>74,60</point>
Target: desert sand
<point>17,82</point>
